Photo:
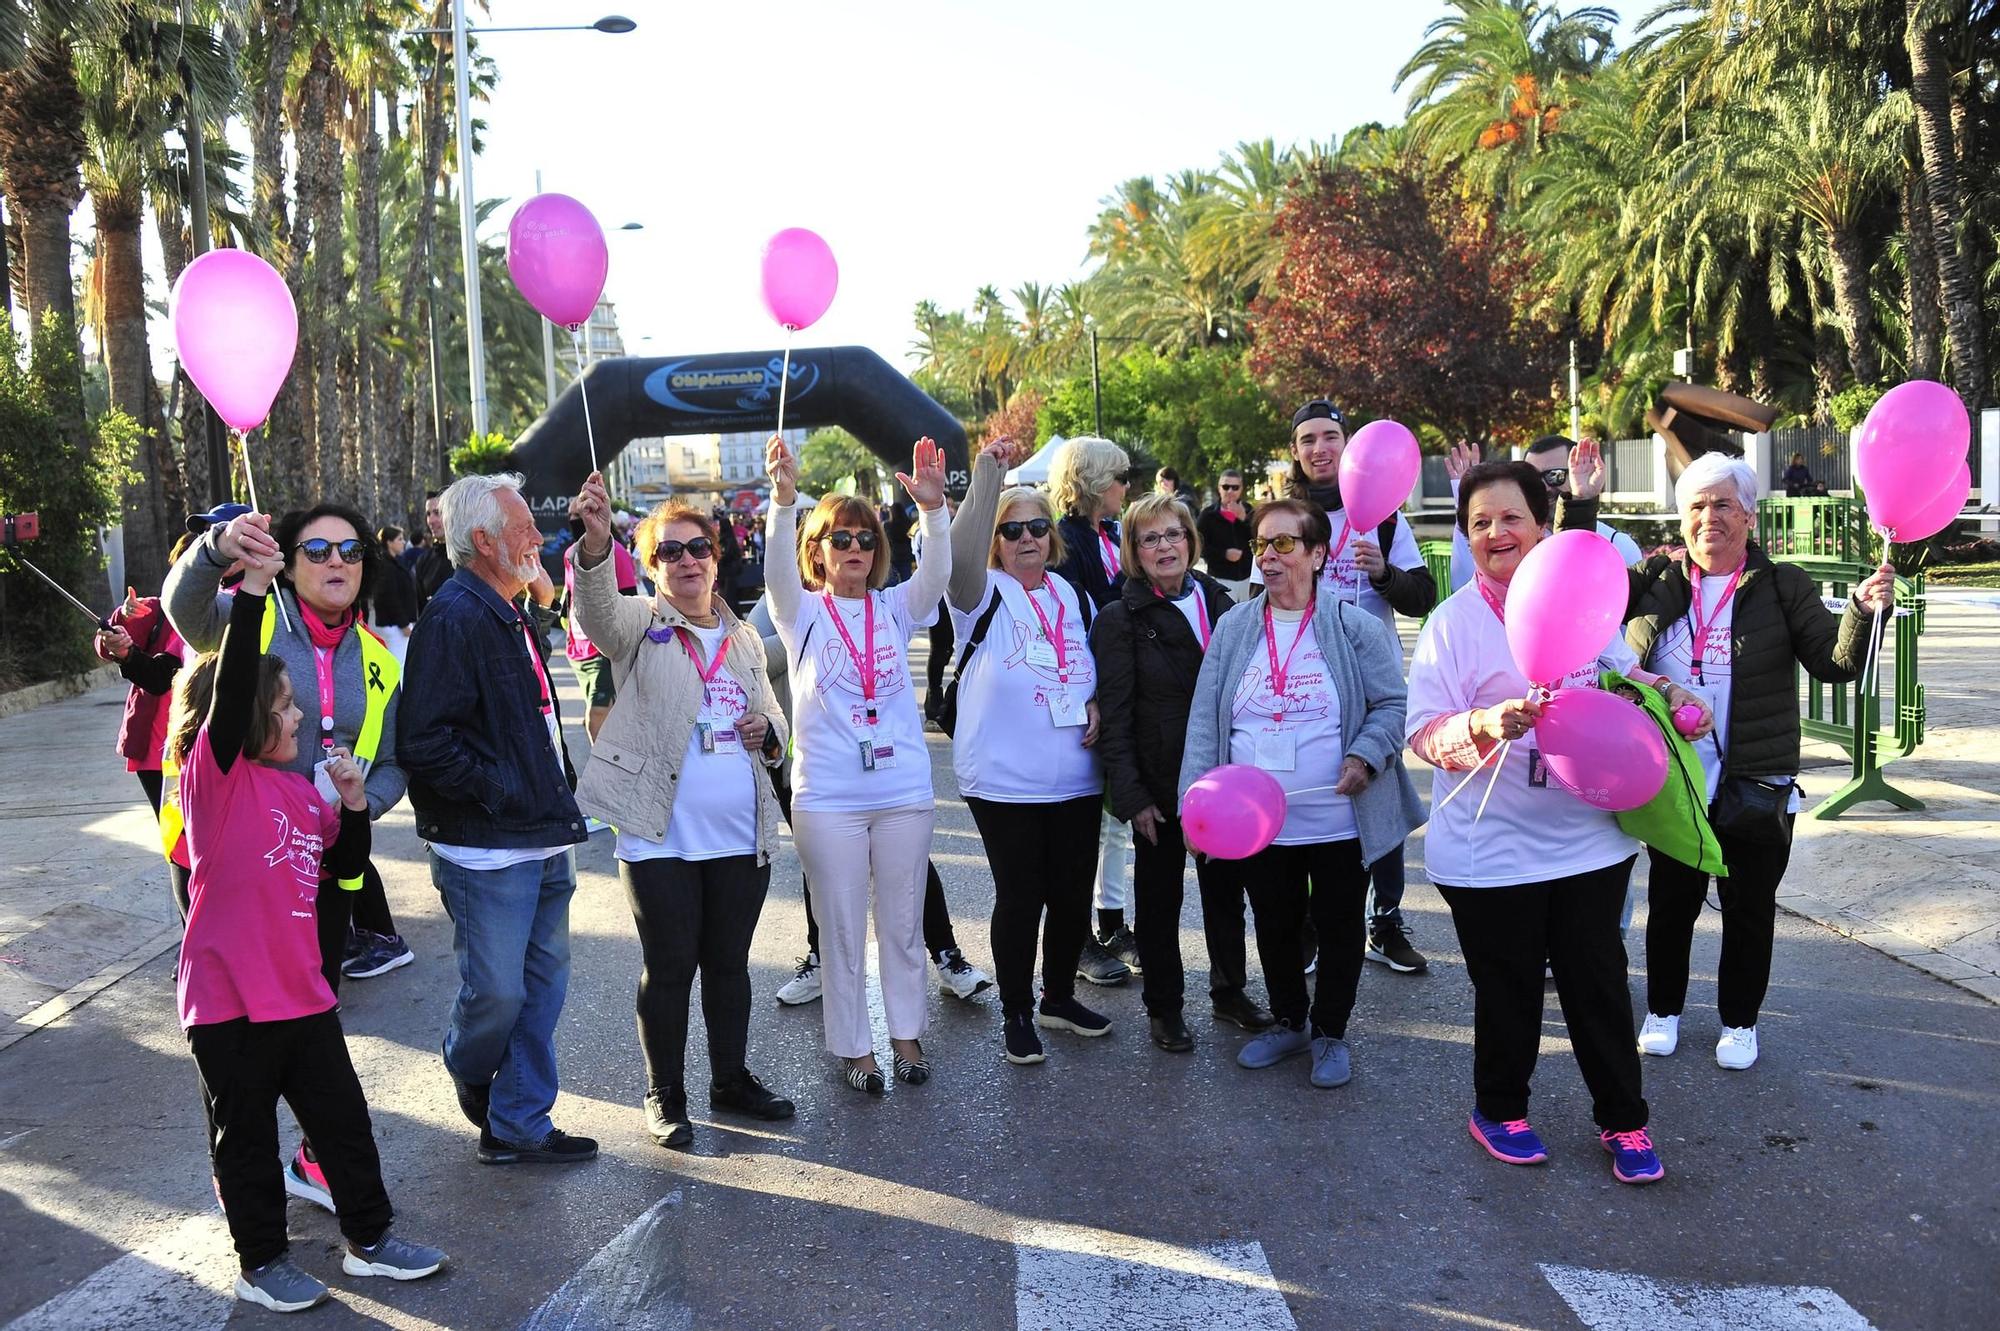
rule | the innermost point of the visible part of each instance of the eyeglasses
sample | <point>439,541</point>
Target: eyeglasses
<point>1229,489</point>
<point>1556,477</point>
<point>844,540</point>
<point>670,552</point>
<point>1153,540</point>
<point>1123,478</point>
<point>1035,527</point>
<point>318,550</point>
<point>1284,543</point>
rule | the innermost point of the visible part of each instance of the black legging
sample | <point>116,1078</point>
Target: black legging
<point>150,782</point>
<point>694,915</point>
<point>1158,884</point>
<point>1325,884</point>
<point>370,905</point>
<point>1044,858</point>
<point>943,641</point>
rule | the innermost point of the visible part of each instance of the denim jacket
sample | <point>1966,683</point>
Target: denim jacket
<point>470,733</point>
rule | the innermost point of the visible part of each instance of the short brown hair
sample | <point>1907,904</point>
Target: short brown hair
<point>1027,494</point>
<point>1314,526</point>
<point>1145,509</point>
<point>1485,474</point>
<point>834,511</point>
<point>652,529</point>
<point>194,693</point>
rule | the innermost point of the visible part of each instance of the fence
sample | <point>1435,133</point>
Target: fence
<point>1828,455</point>
<point>1814,529</point>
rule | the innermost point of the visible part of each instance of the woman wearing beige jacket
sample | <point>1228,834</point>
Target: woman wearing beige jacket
<point>682,768</point>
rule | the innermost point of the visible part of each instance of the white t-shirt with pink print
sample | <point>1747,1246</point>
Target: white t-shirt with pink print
<point>1022,703</point>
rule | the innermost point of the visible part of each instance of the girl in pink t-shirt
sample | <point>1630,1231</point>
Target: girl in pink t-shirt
<point>256,1008</point>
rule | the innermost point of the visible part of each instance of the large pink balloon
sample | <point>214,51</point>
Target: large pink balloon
<point>1566,600</point>
<point>800,277</point>
<point>1942,510</point>
<point>1604,749</point>
<point>1909,448</point>
<point>1233,812</point>
<point>1378,469</point>
<point>556,255</point>
<point>235,329</point>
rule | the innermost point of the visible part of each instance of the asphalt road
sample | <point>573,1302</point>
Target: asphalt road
<point>1114,1184</point>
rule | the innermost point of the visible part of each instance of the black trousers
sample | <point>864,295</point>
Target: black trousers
<point>943,642</point>
<point>369,907</point>
<point>1158,886</point>
<point>1749,896</point>
<point>694,915</point>
<point>1323,884</point>
<point>1044,860</point>
<point>246,1067</point>
<point>1507,934</point>
<point>151,783</point>
<point>938,933</point>
<point>333,906</point>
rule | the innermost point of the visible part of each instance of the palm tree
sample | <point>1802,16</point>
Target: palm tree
<point>1930,80</point>
<point>41,151</point>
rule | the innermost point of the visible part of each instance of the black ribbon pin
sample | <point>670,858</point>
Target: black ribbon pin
<point>375,677</point>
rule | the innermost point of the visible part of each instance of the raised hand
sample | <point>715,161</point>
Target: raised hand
<point>1464,455</point>
<point>248,538</point>
<point>131,606</point>
<point>925,479</point>
<point>1878,593</point>
<point>1586,470</point>
<point>783,469</point>
<point>1003,450</point>
<point>593,506</point>
<point>259,572</point>
<point>1508,720</point>
<point>1368,558</point>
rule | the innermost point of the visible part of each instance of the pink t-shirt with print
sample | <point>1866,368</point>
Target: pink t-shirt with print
<point>255,835</point>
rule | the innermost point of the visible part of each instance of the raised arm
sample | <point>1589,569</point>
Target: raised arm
<point>781,540</point>
<point>924,483</point>
<point>232,703</point>
<point>972,529</point>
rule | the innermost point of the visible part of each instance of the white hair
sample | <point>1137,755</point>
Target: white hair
<point>1083,469</point>
<point>470,504</point>
<point>1712,469</point>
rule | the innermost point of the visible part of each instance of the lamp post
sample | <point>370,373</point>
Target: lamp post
<point>1096,388</point>
<point>475,338</point>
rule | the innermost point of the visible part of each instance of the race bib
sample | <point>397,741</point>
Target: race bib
<point>1277,750</point>
<point>1042,653</point>
<point>1066,710</point>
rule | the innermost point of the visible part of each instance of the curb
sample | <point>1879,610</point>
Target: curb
<point>1939,965</point>
<point>83,991</point>
<point>55,690</point>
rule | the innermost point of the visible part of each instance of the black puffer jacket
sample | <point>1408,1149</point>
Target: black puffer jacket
<point>1083,564</point>
<point>1779,622</point>
<point>1147,662</point>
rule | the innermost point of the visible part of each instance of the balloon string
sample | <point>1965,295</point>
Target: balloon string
<point>784,380</point>
<point>590,431</point>
<point>250,480</point>
<point>1490,754</point>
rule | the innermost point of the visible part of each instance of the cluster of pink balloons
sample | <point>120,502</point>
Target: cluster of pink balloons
<point>1910,458</point>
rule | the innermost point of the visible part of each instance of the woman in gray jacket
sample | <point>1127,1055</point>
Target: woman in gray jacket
<point>1311,690</point>
<point>682,767</point>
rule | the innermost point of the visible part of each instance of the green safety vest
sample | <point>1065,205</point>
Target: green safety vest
<point>379,663</point>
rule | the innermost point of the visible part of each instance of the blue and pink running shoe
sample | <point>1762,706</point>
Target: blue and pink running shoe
<point>1511,1142</point>
<point>1633,1159</point>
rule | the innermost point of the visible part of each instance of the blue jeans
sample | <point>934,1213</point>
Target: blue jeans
<point>1385,890</point>
<point>510,932</point>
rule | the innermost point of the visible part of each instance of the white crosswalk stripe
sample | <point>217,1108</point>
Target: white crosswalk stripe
<point>1616,1301</point>
<point>1069,1279</point>
<point>183,1280</point>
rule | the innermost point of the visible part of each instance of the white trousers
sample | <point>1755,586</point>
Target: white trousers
<point>842,853</point>
<point>1114,865</point>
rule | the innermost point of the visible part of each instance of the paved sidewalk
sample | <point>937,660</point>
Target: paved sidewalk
<point>1922,886</point>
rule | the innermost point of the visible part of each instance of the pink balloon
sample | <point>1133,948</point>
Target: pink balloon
<point>556,256</point>
<point>800,277</point>
<point>1686,718</point>
<point>1378,469</point>
<point>1566,600</point>
<point>235,329</point>
<point>1942,510</point>
<point>1233,811</point>
<point>1603,748</point>
<point>1908,450</point>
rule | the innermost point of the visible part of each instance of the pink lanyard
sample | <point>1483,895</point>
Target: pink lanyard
<point>866,669</point>
<point>1110,553</point>
<point>1279,673</point>
<point>1701,623</point>
<point>323,666</point>
<point>1493,602</point>
<point>694,654</point>
<point>1201,609</point>
<point>1054,635</point>
<point>535,664</point>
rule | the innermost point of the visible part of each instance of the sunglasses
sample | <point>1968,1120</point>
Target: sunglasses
<point>1556,477</point>
<point>1284,543</point>
<point>1229,489</point>
<point>670,552</point>
<point>318,550</point>
<point>1035,527</point>
<point>1123,478</point>
<point>1153,540</point>
<point>846,540</point>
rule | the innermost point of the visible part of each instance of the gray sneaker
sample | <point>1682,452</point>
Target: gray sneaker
<point>398,1259</point>
<point>1331,1064</point>
<point>279,1286</point>
<point>1273,1047</point>
<point>1098,966</point>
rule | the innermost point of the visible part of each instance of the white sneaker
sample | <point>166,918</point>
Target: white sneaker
<point>1737,1049</point>
<point>803,987</point>
<point>959,977</point>
<point>1660,1035</point>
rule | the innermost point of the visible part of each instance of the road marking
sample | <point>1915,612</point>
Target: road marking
<point>630,1285</point>
<point>6,1142</point>
<point>1067,1279</point>
<point>183,1280</point>
<point>1615,1301</point>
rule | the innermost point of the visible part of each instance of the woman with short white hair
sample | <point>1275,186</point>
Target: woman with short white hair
<point>1728,624</point>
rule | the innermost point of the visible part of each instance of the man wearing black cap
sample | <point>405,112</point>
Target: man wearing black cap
<point>1385,584</point>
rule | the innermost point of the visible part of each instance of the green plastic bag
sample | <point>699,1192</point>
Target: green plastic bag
<point>1675,821</point>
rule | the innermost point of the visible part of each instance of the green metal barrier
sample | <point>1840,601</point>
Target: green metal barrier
<point>1802,529</point>
<point>1437,558</point>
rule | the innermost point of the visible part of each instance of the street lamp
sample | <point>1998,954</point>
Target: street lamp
<point>475,339</point>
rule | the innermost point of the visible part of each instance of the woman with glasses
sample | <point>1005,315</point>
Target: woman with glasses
<point>1022,747</point>
<point>682,768</point>
<point>347,682</point>
<point>1305,686</point>
<point>862,804</point>
<point>1224,528</point>
<point>1149,646</point>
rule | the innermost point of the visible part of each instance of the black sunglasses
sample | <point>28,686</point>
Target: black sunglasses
<point>669,552</point>
<point>1123,478</point>
<point>318,550</point>
<point>1556,477</point>
<point>1035,527</point>
<point>842,540</point>
<point>1227,487</point>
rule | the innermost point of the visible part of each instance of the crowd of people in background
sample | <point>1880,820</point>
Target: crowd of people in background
<point>1091,655</point>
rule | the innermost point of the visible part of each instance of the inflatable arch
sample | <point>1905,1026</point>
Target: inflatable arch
<point>635,397</point>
